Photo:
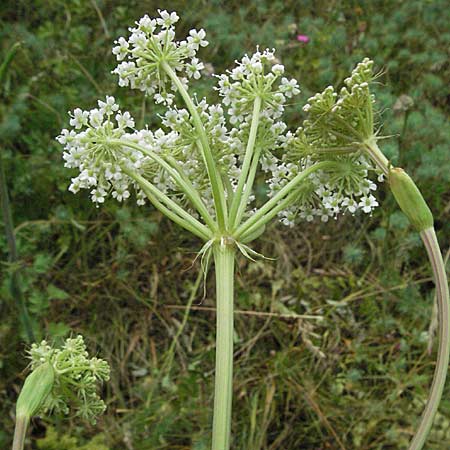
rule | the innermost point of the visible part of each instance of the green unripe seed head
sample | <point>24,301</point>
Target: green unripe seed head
<point>36,388</point>
<point>410,199</point>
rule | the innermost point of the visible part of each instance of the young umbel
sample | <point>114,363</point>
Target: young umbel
<point>200,167</point>
<point>62,380</point>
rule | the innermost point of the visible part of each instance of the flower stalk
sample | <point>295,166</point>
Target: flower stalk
<point>20,432</point>
<point>214,177</point>
<point>430,241</point>
<point>246,180</point>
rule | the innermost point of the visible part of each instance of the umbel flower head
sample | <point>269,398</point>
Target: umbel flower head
<point>150,46</point>
<point>199,168</point>
<point>73,382</point>
<point>338,128</point>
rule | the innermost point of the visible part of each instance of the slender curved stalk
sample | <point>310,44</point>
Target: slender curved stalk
<point>182,181</point>
<point>377,155</point>
<point>248,185</point>
<point>223,392</point>
<point>20,432</point>
<point>434,254</point>
<point>410,200</point>
<point>211,167</point>
<point>170,208</point>
<point>240,203</point>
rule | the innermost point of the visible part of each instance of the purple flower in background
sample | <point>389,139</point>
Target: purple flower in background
<point>303,38</point>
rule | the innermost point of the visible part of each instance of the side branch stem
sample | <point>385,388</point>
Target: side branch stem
<point>273,202</point>
<point>170,208</point>
<point>20,432</point>
<point>249,153</point>
<point>377,155</point>
<point>213,173</point>
<point>182,181</point>
<point>442,294</point>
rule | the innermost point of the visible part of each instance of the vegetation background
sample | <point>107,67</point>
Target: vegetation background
<point>122,275</point>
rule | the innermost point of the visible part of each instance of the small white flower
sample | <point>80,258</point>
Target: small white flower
<point>289,87</point>
<point>75,185</point>
<point>278,69</point>
<point>66,136</point>
<point>193,69</point>
<point>109,106</point>
<point>351,204</point>
<point>368,203</point>
<point>98,195</point>
<point>124,120</point>
<point>79,118</point>
<point>146,24</point>
<point>121,49</point>
<point>167,19</point>
<point>95,118</point>
<point>196,39</point>
<point>121,193</point>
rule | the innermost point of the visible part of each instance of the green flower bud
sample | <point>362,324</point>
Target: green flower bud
<point>35,391</point>
<point>410,199</point>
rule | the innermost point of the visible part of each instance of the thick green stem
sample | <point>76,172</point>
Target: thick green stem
<point>20,432</point>
<point>224,266</point>
<point>211,167</point>
<point>442,294</point>
<point>239,203</point>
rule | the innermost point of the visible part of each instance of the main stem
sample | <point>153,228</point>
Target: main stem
<point>224,266</point>
<point>20,432</point>
<point>434,253</point>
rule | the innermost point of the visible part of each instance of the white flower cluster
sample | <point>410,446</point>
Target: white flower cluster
<point>336,128</point>
<point>103,144</point>
<point>151,45</point>
<point>326,194</point>
<point>88,148</point>
<point>257,76</point>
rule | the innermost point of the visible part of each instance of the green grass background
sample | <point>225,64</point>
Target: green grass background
<point>122,275</point>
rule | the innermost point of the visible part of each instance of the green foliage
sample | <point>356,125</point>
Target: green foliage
<point>108,273</point>
<point>54,441</point>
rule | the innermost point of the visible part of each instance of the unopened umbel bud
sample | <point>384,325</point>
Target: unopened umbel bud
<point>35,390</point>
<point>410,199</point>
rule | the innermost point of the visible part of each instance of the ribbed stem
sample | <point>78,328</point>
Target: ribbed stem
<point>224,266</point>
<point>437,263</point>
<point>20,432</point>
